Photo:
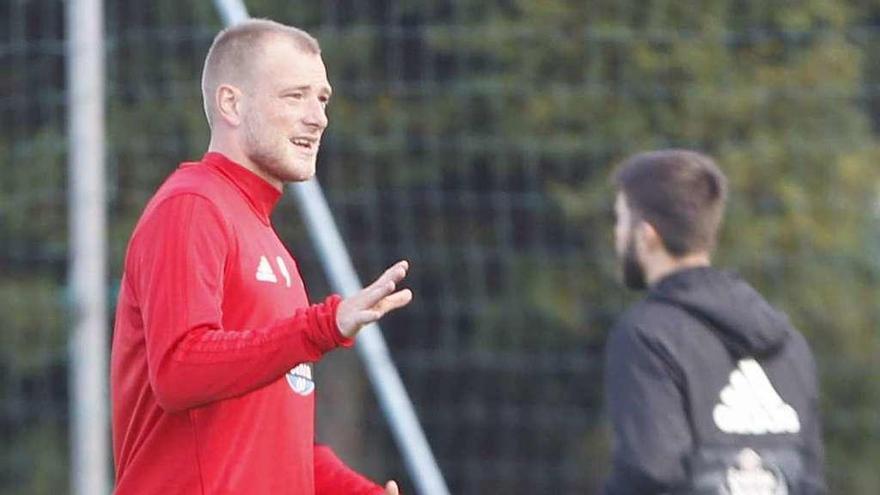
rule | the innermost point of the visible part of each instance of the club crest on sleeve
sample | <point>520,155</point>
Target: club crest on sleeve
<point>300,379</point>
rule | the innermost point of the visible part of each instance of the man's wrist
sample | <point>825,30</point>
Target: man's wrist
<point>331,306</point>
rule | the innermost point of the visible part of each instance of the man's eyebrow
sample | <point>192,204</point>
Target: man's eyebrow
<point>301,87</point>
<point>307,87</point>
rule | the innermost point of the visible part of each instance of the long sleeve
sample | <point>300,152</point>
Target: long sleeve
<point>333,477</point>
<point>176,269</point>
<point>651,434</point>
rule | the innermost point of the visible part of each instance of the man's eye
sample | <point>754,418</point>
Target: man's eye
<point>295,96</point>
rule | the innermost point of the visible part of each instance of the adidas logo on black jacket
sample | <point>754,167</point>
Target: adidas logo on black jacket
<point>711,391</point>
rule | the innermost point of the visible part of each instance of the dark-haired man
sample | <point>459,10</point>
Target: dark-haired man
<point>709,389</point>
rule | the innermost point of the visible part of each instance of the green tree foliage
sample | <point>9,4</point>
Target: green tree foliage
<point>500,104</point>
<point>475,138</point>
<point>773,89</point>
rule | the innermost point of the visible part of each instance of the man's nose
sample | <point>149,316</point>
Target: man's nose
<point>316,116</point>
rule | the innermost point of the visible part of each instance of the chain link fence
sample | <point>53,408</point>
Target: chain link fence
<point>475,138</point>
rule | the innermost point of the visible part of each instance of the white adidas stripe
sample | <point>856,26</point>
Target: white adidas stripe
<point>749,405</point>
<point>264,271</point>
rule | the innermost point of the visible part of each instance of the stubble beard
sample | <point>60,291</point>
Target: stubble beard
<point>633,272</point>
<point>275,157</point>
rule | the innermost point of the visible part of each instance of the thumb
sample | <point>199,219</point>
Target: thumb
<point>391,488</point>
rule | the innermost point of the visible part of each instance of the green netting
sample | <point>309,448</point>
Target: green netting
<point>475,138</point>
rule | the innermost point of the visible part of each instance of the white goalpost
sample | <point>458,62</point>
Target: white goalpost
<point>88,351</point>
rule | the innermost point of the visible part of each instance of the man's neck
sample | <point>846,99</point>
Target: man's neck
<point>665,266</point>
<point>235,153</point>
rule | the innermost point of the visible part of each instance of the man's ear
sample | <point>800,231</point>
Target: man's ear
<point>227,101</point>
<point>647,237</point>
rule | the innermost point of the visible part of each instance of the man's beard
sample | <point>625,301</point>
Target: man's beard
<point>633,272</point>
<point>271,156</point>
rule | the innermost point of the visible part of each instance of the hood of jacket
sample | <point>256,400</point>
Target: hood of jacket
<point>742,318</point>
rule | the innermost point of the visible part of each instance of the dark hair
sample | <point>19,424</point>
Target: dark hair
<point>680,193</point>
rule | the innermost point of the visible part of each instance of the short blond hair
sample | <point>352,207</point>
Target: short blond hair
<point>235,49</point>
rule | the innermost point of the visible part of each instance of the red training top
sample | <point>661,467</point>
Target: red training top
<point>211,374</point>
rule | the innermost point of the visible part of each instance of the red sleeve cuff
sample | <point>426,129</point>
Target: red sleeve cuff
<point>323,319</point>
<point>333,477</point>
<point>331,305</point>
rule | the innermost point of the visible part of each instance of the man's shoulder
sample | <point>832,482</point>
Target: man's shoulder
<point>189,186</point>
<point>191,178</point>
<point>654,327</point>
<point>650,317</point>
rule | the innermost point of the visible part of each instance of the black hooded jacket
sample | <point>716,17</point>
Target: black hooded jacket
<point>711,391</point>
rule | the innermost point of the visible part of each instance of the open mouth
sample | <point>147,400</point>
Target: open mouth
<point>306,144</point>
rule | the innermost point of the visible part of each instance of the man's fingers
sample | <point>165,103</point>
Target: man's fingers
<point>397,300</point>
<point>395,273</point>
<point>371,303</point>
<point>385,284</point>
<point>391,488</point>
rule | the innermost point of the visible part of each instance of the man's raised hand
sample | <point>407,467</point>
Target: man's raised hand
<point>391,488</point>
<point>373,301</point>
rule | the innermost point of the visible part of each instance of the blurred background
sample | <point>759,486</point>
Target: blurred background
<point>475,138</point>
